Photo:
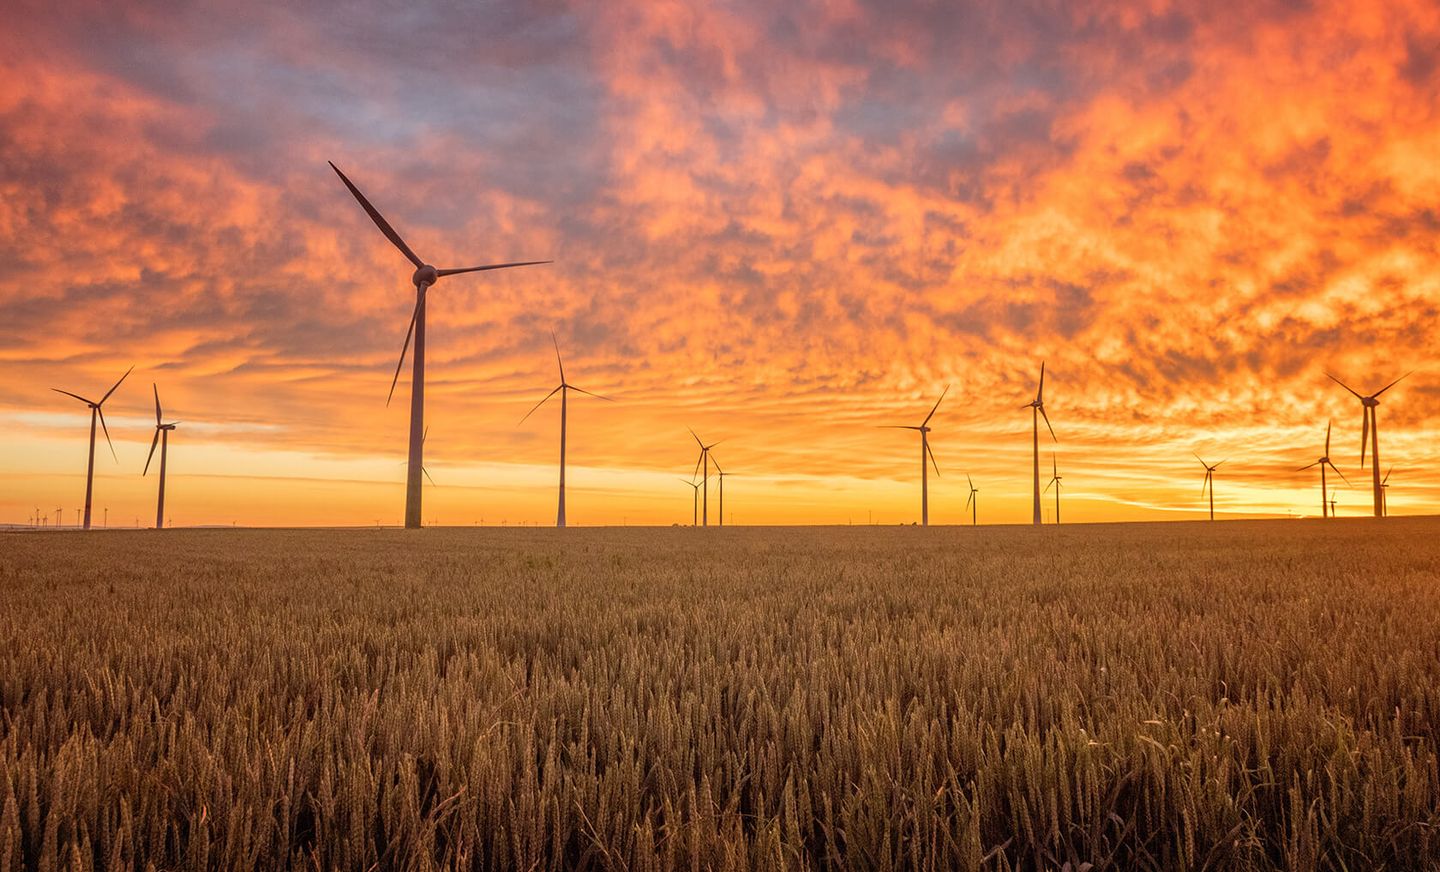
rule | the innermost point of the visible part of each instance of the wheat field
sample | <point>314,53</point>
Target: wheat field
<point>1240,695</point>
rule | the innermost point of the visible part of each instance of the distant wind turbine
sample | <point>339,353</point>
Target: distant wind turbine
<point>1323,462</point>
<point>1332,504</point>
<point>1037,411</point>
<point>705,482</point>
<point>162,436</point>
<point>694,502</point>
<point>95,412</point>
<point>1055,478</point>
<point>1384,495</point>
<point>1209,482</point>
<point>1371,433</point>
<point>562,389</point>
<point>925,454</point>
<point>720,473</point>
<point>973,502</point>
<point>425,275</point>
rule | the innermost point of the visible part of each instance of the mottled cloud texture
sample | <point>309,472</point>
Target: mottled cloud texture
<point>779,223</point>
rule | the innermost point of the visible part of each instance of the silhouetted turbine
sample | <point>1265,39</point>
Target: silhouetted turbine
<point>925,453</point>
<point>720,473</point>
<point>695,501</point>
<point>563,388</point>
<point>1055,478</point>
<point>1371,433</point>
<point>1037,411</point>
<point>1209,482</point>
<point>1384,495</point>
<point>95,412</point>
<point>1323,462</point>
<point>162,436</point>
<point>425,275</point>
<point>705,482</point>
<point>973,502</point>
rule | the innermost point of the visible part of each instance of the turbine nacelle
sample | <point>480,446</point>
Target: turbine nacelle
<point>425,275</point>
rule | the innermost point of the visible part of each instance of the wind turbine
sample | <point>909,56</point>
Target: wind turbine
<point>1332,504</point>
<point>694,502</point>
<point>1384,496</point>
<point>162,436</point>
<point>721,474</point>
<point>973,501</point>
<point>1371,433</point>
<point>425,275</point>
<point>705,459</point>
<point>1209,482</point>
<point>1323,462</point>
<point>95,412</point>
<point>1055,478</point>
<point>563,388</point>
<point>925,453</point>
<point>1037,411</point>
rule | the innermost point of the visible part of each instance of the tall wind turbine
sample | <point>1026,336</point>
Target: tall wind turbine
<point>425,275</point>
<point>705,482</point>
<point>1371,433</point>
<point>162,436</point>
<point>925,454</point>
<point>973,501</point>
<point>95,412</point>
<point>1055,478</point>
<point>562,389</point>
<point>1384,495</point>
<point>694,501</point>
<point>1209,482</point>
<point>1037,411</point>
<point>1323,462</point>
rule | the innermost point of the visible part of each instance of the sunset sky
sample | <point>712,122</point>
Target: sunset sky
<point>781,224</point>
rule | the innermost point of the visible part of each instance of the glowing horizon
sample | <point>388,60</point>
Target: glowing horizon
<point>783,227</point>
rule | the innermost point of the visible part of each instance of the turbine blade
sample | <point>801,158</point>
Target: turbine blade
<point>589,394</point>
<point>699,460</point>
<point>1343,385</point>
<point>1342,475</point>
<point>157,403</point>
<point>1387,475</point>
<point>1202,460</point>
<point>970,480</point>
<point>427,474</point>
<point>537,406</point>
<point>1364,437</point>
<point>1047,424</point>
<point>896,427</point>
<point>1040,393</point>
<point>931,452</point>
<point>399,365</point>
<point>1328,425</point>
<point>379,219</point>
<point>697,439</point>
<point>117,384</point>
<point>101,413</point>
<point>76,396</point>
<point>1393,384</point>
<point>556,343</point>
<point>937,405</point>
<point>1047,486</point>
<point>464,269</point>
<point>153,443</point>
<point>969,499</point>
<point>1303,468</point>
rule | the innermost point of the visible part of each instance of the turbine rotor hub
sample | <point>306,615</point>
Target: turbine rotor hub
<point>1370,402</point>
<point>426,275</point>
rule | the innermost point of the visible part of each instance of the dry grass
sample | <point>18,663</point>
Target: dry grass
<point>1237,695</point>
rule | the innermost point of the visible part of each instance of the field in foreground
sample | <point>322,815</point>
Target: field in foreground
<point>1182,696</point>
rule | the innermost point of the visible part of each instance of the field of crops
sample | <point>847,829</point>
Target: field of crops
<point>1246,695</point>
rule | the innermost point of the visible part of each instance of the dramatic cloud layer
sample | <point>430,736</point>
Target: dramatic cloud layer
<point>780,224</point>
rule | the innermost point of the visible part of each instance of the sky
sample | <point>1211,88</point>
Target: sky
<point>784,225</point>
